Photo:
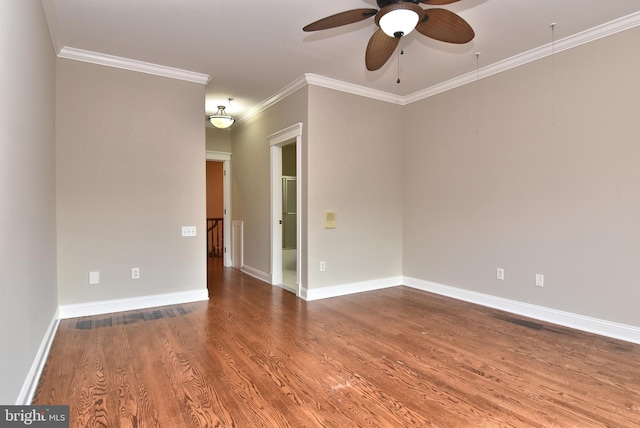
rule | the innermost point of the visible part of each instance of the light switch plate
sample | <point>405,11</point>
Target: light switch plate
<point>188,231</point>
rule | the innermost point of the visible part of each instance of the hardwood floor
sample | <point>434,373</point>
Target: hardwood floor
<point>258,356</point>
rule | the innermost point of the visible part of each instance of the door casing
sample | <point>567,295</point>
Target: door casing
<point>290,135</point>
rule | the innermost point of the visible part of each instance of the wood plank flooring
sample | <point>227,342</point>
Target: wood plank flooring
<point>257,356</point>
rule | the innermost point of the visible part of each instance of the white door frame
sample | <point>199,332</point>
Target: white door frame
<point>225,158</point>
<point>292,134</point>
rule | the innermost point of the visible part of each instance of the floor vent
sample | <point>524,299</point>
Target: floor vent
<point>128,318</point>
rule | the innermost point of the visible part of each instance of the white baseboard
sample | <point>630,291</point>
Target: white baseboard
<point>287,287</point>
<point>258,274</point>
<point>33,377</point>
<point>130,304</point>
<point>356,287</point>
<point>592,325</point>
<point>579,322</point>
<point>265,277</point>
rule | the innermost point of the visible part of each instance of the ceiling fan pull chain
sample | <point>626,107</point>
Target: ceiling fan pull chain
<point>553,73</point>
<point>396,19</point>
<point>401,52</point>
<point>477,91</point>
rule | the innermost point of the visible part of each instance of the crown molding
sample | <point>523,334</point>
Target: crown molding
<point>325,82</point>
<point>599,32</point>
<point>299,83</point>
<point>132,65</point>
<point>109,60</point>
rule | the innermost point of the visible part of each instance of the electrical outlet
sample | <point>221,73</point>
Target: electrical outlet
<point>94,278</point>
<point>135,273</point>
<point>539,280</point>
<point>500,274</point>
<point>323,266</point>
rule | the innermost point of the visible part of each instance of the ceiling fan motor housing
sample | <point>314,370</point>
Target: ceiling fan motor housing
<point>383,3</point>
<point>396,19</point>
<point>395,26</point>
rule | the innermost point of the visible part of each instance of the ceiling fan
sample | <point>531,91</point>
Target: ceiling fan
<point>397,18</point>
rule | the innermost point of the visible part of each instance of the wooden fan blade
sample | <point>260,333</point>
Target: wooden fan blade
<point>379,49</point>
<point>438,2</point>
<point>340,19</point>
<point>446,26</point>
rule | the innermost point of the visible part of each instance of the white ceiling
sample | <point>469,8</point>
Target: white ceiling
<point>252,50</point>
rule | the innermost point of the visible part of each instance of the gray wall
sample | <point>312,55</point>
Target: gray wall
<point>512,173</point>
<point>351,163</point>
<point>28,293</point>
<point>355,168</point>
<point>527,170</point>
<point>250,174</point>
<point>218,140</point>
<point>130,172</point>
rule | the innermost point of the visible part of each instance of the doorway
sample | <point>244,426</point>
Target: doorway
<point>286,208</point>
<point>218,168</point>
<point>215,212</point>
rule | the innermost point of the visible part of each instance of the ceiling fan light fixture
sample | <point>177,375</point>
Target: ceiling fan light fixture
<point>221,119</point>
<point>399,19</point>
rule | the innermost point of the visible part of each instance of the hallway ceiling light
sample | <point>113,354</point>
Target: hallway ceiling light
<point>221,119</point>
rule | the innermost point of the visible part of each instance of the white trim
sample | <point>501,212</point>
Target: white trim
<point>300,244</point>
<point>237,244</point>
<point>288,288</point>
<point>258,274</point>
<point>572,41</point>
<point>33,377</point>
<point>535,54</point>
<point>599,32</point>
<point>133,65</point>
<point>346,289</point>
<point>325,82</point>
<point>299,83</point>
<point>286,134</point>
<point>597,326</point>
<point>580,322</point>
<point>131,303</point>
<point>291,134</point>
<point>219,156</point>
<point>275,198</point>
